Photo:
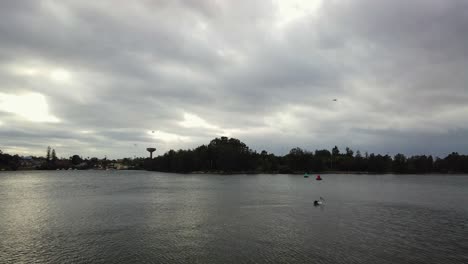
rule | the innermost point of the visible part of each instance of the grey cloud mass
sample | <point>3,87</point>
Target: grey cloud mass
<point>98,77</point>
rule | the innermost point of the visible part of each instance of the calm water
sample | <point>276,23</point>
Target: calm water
<point>145,217</point>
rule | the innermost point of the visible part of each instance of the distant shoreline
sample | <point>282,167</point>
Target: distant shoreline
<point>231,156</point>
<point>311,174</point>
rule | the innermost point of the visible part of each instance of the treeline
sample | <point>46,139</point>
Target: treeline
<point>9,162</point>
<point>230,155</point>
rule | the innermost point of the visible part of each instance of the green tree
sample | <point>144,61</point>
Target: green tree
<point>48,154</point>
<point>349,152</point>
<point>400,164</point>
<point>335,151</point>
<point>75,159</point>
<point>54,156</point>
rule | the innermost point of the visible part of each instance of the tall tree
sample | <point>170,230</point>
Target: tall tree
<point>335,151</point>
<point>349,152</point>
<point>48,154</point>
<point>54,156</point>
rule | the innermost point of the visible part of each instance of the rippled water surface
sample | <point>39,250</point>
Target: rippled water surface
<point>147,217</point>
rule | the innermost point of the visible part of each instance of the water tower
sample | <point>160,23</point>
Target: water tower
<point>151,150</point>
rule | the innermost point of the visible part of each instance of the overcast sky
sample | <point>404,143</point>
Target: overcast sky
<point>96,78</point>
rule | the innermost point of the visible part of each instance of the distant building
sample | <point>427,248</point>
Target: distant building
<point>117,166</point>
<point>29,162</point>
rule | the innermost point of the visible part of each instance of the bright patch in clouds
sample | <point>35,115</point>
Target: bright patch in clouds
<point>167,137</point>
<point>24,151</point>
<point>24,71</point>
<point>39,69</point>
<point>32,107</point>
<point>60,75</point>
<point>86,131</point>
<point>291,10</point>
<point>191,120</point>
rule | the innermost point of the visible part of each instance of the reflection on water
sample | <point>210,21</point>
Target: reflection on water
<point>133,217</point>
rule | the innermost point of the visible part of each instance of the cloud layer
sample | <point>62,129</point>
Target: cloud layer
<point>97,77</point>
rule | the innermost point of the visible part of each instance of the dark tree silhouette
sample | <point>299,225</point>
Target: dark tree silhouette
<point>48,154</point>
<point>229,155</point>
<point>54,156</point>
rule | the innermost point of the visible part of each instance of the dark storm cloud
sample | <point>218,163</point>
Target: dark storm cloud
<point>113,73</point>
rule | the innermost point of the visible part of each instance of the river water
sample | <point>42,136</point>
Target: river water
<point>150,217</point>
